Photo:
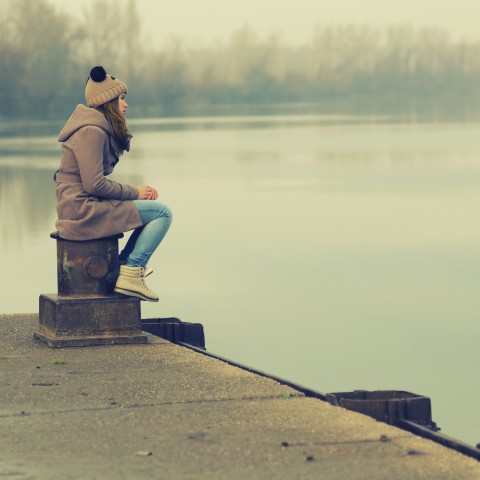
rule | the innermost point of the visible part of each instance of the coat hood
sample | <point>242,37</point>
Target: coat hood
<point>81,117</point>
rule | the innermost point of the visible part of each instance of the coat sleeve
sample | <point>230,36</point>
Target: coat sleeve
<point>88,151</point>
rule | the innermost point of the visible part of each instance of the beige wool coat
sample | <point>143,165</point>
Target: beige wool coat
<point>89,205</point>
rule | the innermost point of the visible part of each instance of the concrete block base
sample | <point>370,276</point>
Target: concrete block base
<point>66,321</point>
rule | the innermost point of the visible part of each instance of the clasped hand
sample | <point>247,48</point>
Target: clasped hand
<point>147,193</point>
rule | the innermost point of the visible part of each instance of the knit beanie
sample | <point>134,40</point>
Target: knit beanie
<point>102,87</point>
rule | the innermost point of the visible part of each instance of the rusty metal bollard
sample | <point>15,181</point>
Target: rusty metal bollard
<point>86,311</point>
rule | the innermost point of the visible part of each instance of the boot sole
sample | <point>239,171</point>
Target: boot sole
<point>135,294</point>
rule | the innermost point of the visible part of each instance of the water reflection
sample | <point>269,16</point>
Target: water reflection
<point>341,255</point>
<point>27,198</point>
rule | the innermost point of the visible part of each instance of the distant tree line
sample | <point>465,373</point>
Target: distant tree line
<point>45,57</point>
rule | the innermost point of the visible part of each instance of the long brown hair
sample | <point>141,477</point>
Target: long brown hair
<point>117,122</point>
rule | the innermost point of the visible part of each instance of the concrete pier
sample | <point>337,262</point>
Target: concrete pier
<point>162,411</point>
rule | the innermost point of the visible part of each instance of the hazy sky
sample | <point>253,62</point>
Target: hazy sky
<point>208,20</point>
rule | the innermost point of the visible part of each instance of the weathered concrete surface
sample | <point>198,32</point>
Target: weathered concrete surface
<point>160,411</point>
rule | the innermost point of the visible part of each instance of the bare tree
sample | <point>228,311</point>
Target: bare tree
<point>104,34</point>
<point>40,47</point>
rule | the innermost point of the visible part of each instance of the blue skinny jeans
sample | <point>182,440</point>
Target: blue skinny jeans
<point>156,218</point>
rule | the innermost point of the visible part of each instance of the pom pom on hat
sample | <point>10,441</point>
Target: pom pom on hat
<point>102,87</point>
<point>98,74</point>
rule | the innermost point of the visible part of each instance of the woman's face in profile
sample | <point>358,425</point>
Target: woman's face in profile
<point>122,104</point>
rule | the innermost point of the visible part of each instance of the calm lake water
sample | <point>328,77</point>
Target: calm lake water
<point>339,252</point>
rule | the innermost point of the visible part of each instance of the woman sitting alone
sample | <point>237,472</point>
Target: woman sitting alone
<point>89,205</point>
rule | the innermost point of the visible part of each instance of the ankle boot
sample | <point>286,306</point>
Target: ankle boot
<point>146,272</point>
<point>132,282</point>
